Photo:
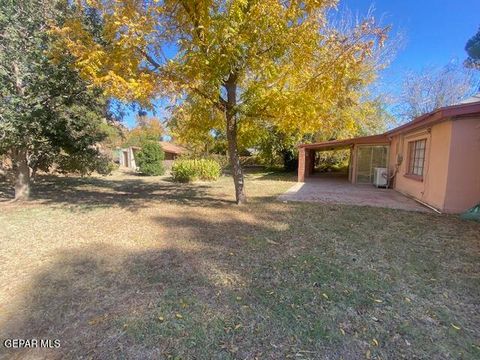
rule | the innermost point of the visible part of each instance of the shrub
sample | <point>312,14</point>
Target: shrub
<point>84,164</point>
<point>150,159</point>
<point>222,160</point>
<point>184,170</point>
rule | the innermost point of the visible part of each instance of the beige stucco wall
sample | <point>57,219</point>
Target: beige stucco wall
<point>463,185</point>
<point>432,189</point>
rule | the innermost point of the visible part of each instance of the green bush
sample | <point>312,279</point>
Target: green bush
<point>184,170</point>
<point>84,164</point>
<point>150,159</point>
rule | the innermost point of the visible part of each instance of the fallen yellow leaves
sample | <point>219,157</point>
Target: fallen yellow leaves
<point>272,242</point>
<point>97,320</point>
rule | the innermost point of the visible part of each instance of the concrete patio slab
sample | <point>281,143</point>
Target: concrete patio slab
<point>337,190</point>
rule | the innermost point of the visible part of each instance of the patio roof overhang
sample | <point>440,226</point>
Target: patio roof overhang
<point>347,143</point>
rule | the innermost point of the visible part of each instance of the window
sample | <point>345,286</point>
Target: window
<point>416,157</point>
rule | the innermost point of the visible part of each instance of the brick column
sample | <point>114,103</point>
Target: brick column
<point>301,165</point>
<point>306,163</point>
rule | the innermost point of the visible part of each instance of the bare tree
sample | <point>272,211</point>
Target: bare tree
<point>432,88</point>
<point>345,21</point>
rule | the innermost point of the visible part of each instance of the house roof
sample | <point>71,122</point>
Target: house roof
<point>167,147</point>
<point>439,115</point>
<point>465,109</point>
<point>471,99</point>
<point>172,148</point>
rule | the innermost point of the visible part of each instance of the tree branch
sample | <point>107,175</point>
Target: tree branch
<point>149,58</point>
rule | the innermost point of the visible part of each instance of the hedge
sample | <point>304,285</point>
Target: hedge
<point>184,170</point>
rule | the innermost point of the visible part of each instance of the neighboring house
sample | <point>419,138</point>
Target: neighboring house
<point>172,151</point>
<point>435,158</point>
<point>127,157</point>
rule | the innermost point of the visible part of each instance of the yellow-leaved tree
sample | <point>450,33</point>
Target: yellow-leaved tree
<point>234,65</point>
<point>146,129</point>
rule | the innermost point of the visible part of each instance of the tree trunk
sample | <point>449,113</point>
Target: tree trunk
<point>20,160</point>
<point>231,119</point>
<point>22,175</point>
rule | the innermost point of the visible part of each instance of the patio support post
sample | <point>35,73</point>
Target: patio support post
<point>350,165</point>
<point>305,163</point>
<point>301,165</point>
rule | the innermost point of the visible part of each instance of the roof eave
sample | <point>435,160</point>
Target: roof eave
<point>346,143</point>
<point>434,117</point>
<point>438,116</point>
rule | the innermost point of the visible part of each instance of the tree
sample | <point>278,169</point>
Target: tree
<point>250,62</point>
<point>146,129</point>
<point>367,117</point>
<point>473,50</point>
<point>115,132</point>
<point>432,88</point>
<point>150,159</point>
<point>47,113</point>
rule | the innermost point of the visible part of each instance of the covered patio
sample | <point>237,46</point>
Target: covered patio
<point>366,154</point>
<point>336,189</point>
<point>356,187</point>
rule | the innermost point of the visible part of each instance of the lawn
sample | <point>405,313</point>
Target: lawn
<point>136,267</point>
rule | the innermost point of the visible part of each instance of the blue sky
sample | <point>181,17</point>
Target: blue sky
<point>434,32</point>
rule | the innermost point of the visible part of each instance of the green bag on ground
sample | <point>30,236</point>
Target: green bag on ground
<point>472,214</point>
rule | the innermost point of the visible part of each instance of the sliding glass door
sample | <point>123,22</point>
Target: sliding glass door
<point>368,158</point>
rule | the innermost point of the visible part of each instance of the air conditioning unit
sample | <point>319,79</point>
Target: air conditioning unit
<point>380,177</point>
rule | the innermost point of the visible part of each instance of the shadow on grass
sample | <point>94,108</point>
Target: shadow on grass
<point>6,191</point>
<point>210,301</point>
<point>132,194</point>
<point>103,302</point>
<point>106,304</point>
<point>239,286</point>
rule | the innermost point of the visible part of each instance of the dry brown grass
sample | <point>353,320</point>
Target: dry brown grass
<point>133,267</point>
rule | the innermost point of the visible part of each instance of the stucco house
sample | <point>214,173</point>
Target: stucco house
<point>434,158</point>
<point>172,151</point>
